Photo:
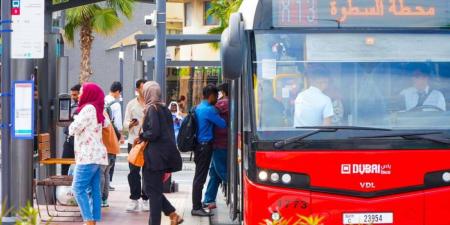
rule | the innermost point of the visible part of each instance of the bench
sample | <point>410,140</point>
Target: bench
<point>44,154</point>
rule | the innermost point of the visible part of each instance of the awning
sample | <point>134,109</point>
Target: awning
<point>147,40</point>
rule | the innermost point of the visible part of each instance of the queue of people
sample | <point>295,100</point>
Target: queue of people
<point>93,140</point>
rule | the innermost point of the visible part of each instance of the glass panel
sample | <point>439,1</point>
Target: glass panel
<point>397,81</point>
<point>185,84</point>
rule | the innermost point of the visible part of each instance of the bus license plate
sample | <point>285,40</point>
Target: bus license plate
<point>368,218</point>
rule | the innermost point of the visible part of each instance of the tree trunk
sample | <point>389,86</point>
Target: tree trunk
<point>86,40</point>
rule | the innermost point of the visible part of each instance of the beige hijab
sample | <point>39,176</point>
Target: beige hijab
<point>152,95</point>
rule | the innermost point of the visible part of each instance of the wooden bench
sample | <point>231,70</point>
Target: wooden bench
<point>44,154</point>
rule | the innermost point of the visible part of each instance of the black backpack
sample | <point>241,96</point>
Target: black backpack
<point>109,112</point>
<point>187,135</point>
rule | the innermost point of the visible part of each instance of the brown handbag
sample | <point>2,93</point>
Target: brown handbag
<point>136,155</point>
<point>110,140</point>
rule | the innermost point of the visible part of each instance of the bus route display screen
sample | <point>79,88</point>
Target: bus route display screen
<point>361,13</point>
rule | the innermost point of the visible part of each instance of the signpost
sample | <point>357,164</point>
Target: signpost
<point>23,110</point>
<point>28,25</point>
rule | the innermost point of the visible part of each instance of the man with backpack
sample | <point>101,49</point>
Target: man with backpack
<point>206,117</point>
<point>114,111</point>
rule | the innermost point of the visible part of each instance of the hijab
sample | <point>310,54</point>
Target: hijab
<point>152,95</point>
<point>92,94</point>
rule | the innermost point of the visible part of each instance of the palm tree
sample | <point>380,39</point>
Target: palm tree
<point>100,18</point>
<point>222,9</point>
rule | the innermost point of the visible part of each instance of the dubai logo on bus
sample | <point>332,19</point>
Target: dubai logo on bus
<point>364,169</point>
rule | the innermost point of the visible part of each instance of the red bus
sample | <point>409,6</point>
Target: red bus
<point>339,112</point>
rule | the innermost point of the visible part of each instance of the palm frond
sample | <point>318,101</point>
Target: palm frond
<point>125,7</point>
<point>106,21</point>
<point>69,32</point>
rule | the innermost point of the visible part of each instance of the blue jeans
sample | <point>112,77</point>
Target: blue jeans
<point>86,187</point>
<point>217,174</point>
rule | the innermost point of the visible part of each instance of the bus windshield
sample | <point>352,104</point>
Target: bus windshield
<point>384,80</point>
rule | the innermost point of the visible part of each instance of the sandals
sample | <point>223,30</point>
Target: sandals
<point>175,219</point>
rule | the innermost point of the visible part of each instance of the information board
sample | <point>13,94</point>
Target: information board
<point>361,13</point>
<point>27,38</point>
<point>23,109</point>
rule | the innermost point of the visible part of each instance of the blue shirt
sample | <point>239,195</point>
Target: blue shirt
<point>207,116</point>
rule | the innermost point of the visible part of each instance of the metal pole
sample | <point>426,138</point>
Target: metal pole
<point>6,103</point>
<point>160,37</point>
<point>121,57</point>
<point>21,188</point>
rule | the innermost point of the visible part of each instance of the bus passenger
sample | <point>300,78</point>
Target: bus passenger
<point>272,110</point>
<point>312,106</point>
<point>421,94</point>
<point>207,117</point>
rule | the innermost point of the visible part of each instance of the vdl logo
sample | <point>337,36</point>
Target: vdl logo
<point>383,169</point>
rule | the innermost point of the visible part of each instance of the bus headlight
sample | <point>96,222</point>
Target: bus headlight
<point>446,177</point>
<point>263,175</point>
<point>275,177</point>
<point>286,178</point>
<point>276,216</point>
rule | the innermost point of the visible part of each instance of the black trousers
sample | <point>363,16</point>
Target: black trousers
<point>68,152</point>
<point>111,171</point>
<point>158,202</point>
<point>137,189</point>
<point>202,159</point>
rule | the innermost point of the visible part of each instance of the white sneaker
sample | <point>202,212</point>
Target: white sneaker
<point>133,206</point>
<point>145,206</point>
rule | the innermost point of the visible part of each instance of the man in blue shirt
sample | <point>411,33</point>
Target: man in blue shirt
<point>207,117</point>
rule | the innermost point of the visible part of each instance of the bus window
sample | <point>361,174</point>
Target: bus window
<point>358,84</point>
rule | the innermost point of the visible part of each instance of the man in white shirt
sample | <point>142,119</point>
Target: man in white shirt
<point>134,118</point>
<point>312,106</point>
<point>114,108</point>
<point>420,94</point>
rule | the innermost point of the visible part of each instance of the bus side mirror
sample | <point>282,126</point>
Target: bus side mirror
<point>64,112</point>
<point>232,45</point>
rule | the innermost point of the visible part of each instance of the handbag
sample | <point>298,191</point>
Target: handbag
<point>110,140</point>
<point>136,155</point>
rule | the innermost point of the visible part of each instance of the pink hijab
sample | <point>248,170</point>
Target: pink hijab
<point>92,94</point>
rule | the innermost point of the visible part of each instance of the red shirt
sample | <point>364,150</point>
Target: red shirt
<point>221,134</point>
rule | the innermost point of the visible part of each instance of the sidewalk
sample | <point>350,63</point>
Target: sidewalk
<point>116,214</point>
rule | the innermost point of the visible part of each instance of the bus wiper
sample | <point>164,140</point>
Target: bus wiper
<point>435,136</point>
<point>321,129</point>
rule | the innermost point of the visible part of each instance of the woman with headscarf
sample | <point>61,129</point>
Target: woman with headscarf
<point>177,117</point>
<point>90,153</point>
<point>161,155</point>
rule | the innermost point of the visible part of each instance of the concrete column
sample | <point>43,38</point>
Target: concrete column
<point>138,70</point>
<point>62,77</point>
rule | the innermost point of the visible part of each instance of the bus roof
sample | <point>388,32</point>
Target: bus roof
<point>267,14</point>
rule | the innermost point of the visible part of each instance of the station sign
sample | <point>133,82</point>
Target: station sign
<point>361,13</point>
<point>27,38</point>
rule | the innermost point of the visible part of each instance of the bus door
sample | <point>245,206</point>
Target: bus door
<point>234,132</point>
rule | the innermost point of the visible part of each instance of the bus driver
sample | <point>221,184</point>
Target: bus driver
<point>420,94</point>
<point>312,106</point>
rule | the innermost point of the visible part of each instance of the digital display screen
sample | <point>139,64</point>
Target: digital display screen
<point>361,13</point>
<point>64,110</point>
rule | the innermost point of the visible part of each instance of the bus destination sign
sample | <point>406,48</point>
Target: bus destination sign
<point>361,13</point>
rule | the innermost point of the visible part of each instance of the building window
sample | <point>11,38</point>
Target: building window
<point>208,20</point>
<point>188,14</point>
